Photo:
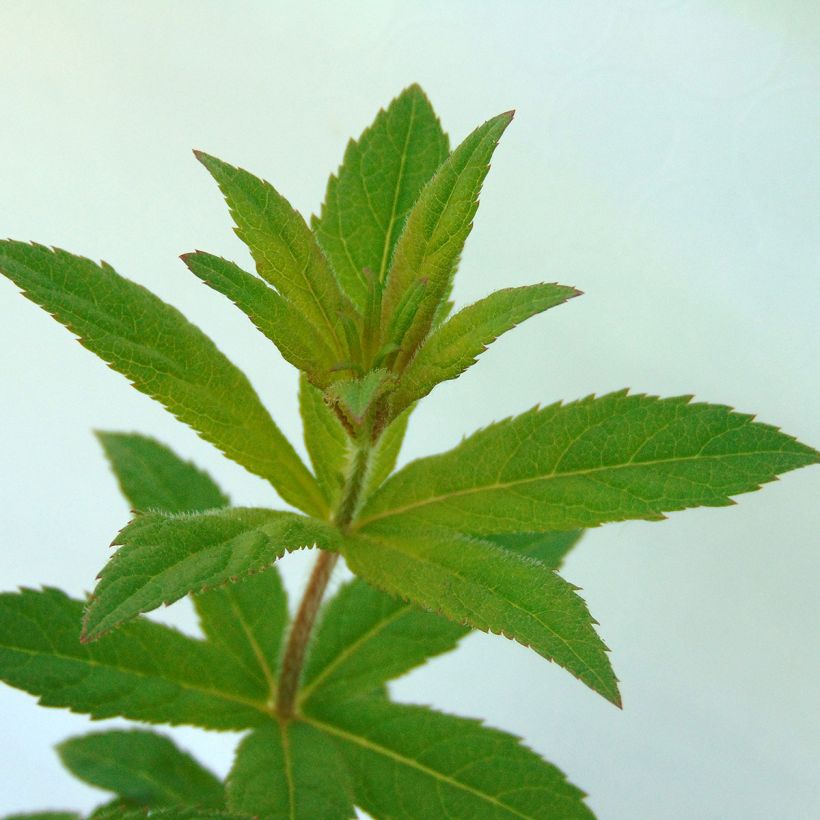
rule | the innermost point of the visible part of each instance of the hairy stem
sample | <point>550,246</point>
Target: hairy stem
<point>305,619</point>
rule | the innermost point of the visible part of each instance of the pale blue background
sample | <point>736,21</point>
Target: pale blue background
<point>664,159</point>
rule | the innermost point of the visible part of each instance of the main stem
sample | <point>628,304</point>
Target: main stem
<point>305,619</point>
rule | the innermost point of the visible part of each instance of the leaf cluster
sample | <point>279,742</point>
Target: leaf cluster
<point>358,300</point>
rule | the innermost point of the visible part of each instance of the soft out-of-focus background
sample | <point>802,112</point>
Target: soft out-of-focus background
<point>664,159</point>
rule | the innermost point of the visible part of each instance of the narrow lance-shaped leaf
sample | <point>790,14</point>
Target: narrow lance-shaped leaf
<point>326,440</point>
<point>152,477</point>
<point>246,619</point>
<point>581,464</point>
<point>289,771</point>
<point>164,356</point>
<point>142,767</point>
<point>455,345</point>
<point>163,557</point>
<point>366,638</point>
<point>409,762</point>
<point>284,249</point>
<point>429,247</point>
<point>144,672</point>
<point>492,589</point>
<point>367,201</point>
<point>298,340</point>
<point>386,453</point>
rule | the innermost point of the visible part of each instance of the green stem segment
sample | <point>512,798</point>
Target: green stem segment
<point>305,619</point>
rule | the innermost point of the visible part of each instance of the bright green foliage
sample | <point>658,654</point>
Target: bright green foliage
<point>409,762</point>
<point>467,539</point>
<point>143,767</point>
<point>163,557</point>
<point>164,356</point>
<point>285,252</point>
<point>549,548</point>
<point>247,620</point>
<point>325,438</point>
<point>477,583</point>
<point>382,174</point>
<point>428,250</point>
<point>152,477</point>
<point>366,638</point>
<point>297,338</point>
<point>144,671</point>
<point>585,463</point>
<point>45,815</point>
<point>454,345</point>
<point>292,772</point>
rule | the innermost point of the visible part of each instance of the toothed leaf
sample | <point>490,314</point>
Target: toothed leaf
<point>289,771</point>
<point>142,767</point>
<point>581,464</point>
<point>366,638</point>
<point>144,672</point>
<point>164,356</point>
<point>484,586</point>
<point>410,762</point>
<point>436,229</point>
<point>455,345</point>
<point>367,201</point>
<point>163,557</point>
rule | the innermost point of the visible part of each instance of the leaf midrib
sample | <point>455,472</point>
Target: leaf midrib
<point>414,764</point>
<point>258,705</point>
<point>363,522</point>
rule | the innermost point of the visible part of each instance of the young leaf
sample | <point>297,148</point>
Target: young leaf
<point>378,182</point>
<point>410,762</point>
<point>477,583</point>
<point>326,440</point>
<point>152,477</point>
<point>386,453</point>
<point>366,638</point>
<point>284,249</point>
<point>437,227</point>
<point>164,356</point>
<point>145,671</point>
<point>455,345</point>
<point>549,548</point>
<point>143,767</point>
<point>582,464</point>
<point>298,340</point>
<point>354,397</point>
<point>289,771</point>
<point>247,621</point>
<point>163,557</point>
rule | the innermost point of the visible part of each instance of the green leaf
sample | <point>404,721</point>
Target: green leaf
<point>289,771</point>
<point>118,811</point>
<point>386,453</point>
<point>163,557</point>
<point>144,672</point>
<point>297,338</point>
<point>141,766</point>
<point>549,548</point>
<point>566,466</point>
<point>455,345</point>
<point>411,762</point>
<point>44,815</point>
<point>438,224</point>
<point>366,638</point>
<point>326,440</point>
<point>164,356</point>
<point>380,179</point>
<point>284,249</point>
<point>247,620</point>
<point>354,397</point>
<point>152,477</point>
<point>477,583</point>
